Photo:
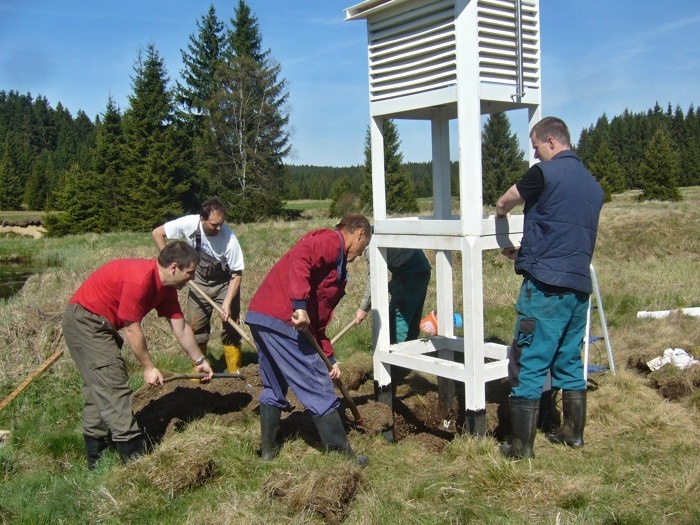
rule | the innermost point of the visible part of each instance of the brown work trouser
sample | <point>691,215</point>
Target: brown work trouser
<point>198,312</point>
<point>95,346</point>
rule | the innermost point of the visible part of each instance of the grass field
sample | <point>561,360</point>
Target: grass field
<point>308,205</point>
<point>640,464</point>
<point>21,215</point>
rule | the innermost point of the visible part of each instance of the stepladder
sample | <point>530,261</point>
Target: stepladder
<point>595,302</point>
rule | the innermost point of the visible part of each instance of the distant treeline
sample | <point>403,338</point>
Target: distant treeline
<point>634,141</point>
<point>40,143</point>
<point>316,182</point>
<point>617,151</point>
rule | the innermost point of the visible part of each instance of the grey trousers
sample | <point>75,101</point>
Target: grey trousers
<point>95,346</point>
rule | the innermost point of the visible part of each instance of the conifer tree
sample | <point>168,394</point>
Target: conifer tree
<point>400,193</point>
<point>592,138</point>
<point>343,198</point>
<point>65,146</point>
<point>690,150</point>
<point>83,133</point>
<point>501,158</point>
<point>366,199</point>
<point>152,185</point>
<point>110,164</point>
<point>12,181</point>
<point>659,169</point>
<point>606,170</point>
<point>80,200</point>
<point>245,38</point>
<point>247,120</point>
<point>202,60</point>
<point>42,130</point>
<point>36,192</point>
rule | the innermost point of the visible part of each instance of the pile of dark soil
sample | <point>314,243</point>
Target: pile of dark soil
<point>417,414</point>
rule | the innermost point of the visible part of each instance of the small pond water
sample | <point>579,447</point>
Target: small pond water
<point>13,275</point>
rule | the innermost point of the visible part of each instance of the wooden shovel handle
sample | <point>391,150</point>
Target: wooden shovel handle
<point>233,323</point>
<point>343,331</point>
<point>172,376</point>
<point>31,377</point>
<point>346,395</point>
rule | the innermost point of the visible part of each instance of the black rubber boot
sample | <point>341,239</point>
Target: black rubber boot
<point>523,427</point>
<point>93,449</point>
<point>333,435</point>
<point>269,428</point>
<point>574,415</point>
<point>131,449</point>
<point>548,418</point>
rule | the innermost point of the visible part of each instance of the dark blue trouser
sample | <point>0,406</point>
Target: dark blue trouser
<point>286,362</point>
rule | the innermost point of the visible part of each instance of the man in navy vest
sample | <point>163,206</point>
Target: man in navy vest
<point>562,206</point>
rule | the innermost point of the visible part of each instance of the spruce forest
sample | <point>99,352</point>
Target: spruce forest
<point>222,129</point>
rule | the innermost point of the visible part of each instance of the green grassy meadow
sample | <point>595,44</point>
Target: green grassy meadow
<point>640,464</point>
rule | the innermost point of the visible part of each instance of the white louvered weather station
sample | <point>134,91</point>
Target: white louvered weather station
<point>439,61</point>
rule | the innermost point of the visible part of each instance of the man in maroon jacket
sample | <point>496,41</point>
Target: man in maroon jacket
<point>300,292</point>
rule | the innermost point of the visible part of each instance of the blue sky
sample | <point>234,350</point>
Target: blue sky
<point>597,57</point>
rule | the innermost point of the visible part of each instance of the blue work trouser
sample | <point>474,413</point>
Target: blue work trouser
<point>408,290</point>
<point>291,362</point>
<point>548,337</point>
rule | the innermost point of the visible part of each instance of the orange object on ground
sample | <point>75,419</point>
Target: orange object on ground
<point>429,324</point>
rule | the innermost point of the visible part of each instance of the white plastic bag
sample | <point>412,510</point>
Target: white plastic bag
<point>675,356</point>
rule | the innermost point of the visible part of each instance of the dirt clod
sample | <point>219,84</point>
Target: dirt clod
<point>178,465</point>
<point>376,417</point>
<point>328,492</point>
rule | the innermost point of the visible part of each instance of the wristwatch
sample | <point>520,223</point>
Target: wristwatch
<point>200,360</point>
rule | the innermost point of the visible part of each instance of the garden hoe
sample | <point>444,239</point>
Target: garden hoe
<point>172,376</point>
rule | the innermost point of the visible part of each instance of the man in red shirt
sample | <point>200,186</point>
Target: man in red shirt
<point>117,296</point>
<point>300,292</point>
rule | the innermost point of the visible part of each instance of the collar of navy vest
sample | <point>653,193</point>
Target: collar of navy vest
<point>566,153</point>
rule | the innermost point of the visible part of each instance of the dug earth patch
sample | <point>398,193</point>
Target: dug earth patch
<point>417,414</point>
